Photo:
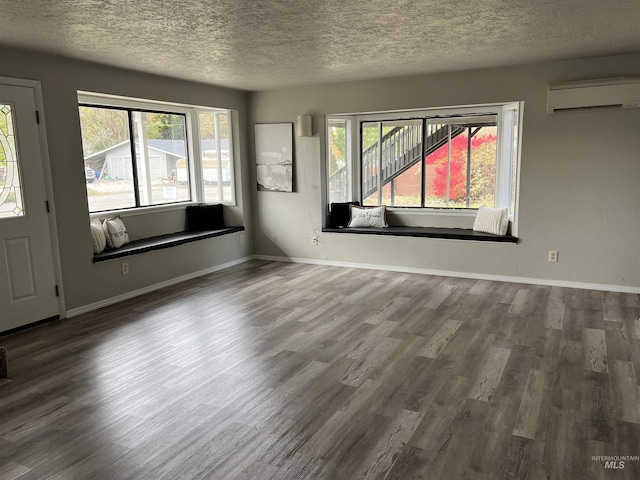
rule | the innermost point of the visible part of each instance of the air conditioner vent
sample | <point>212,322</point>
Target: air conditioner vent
<point>602,94</point>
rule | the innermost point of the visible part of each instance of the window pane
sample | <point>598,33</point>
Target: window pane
<point>401,165</point>
<point>483,167</point>
<point>514,157</point>
<point>11,202</point>
<point>436,165</point>
<point>394,169</point>
<point>217,161</point>
<point>457,169</point>
<point>338,161</point>
<point>107,158</point>
<point>460,165</point>
<point>160,144</point>
<point>370,163</point>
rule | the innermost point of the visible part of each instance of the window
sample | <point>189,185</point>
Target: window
<point>460,162</point>
<point>459,158</point>
<point>339,160</point>
<point>11,201</point>
<point>142,154</point>
<point>390,165</point>
<point>217,162</point>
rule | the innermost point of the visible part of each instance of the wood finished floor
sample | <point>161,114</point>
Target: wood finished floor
<point>286,371</point>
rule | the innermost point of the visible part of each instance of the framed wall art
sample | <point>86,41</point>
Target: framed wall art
<point>274,157</point>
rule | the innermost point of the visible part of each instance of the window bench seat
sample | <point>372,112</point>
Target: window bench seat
<point>160,242</point>
<point>427,232</point>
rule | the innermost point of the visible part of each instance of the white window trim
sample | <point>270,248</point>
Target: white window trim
<point>137,211</point>
<point>193,148</point>
<point>498,109</point>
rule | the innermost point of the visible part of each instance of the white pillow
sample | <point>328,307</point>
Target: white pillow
<point>492,220</point>
<point>115,232</point>
<point>368,216</point>
<point>98,238</point>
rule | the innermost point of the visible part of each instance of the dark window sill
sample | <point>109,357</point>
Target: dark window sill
<point>160,242</point>
<point>428,232</point>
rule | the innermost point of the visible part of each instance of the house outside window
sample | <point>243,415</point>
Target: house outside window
<point>178,154</point>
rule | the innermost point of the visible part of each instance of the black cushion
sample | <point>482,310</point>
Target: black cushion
<point>205,217</point>
<point>341,214</point>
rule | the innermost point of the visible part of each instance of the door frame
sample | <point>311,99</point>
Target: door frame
<point>46,168</point>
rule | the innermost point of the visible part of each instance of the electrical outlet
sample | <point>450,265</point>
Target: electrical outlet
<point>553,256</point>
<point>273,237</point>
<point>125,268</point>
<point>314,240</point>
<point>241,239</point>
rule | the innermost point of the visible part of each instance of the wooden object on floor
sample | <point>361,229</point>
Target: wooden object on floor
<point>280,371</point>
<point>4,363</point>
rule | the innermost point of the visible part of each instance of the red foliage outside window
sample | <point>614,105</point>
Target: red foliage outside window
<point>483,148</point>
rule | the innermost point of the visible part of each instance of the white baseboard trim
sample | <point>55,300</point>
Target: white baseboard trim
<point>157,286</point>
<point>446,273</point>
<point>390,268</point>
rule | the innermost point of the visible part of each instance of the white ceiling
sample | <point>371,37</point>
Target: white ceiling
<point>265,44</point>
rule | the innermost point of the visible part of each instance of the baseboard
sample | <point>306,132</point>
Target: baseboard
<point>157,286</point>
<point>391,268</point>
<point>447,273</point>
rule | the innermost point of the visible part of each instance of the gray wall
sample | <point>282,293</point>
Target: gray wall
<point>579,177</point>
<point>579,189</point>
<point>85,282</point>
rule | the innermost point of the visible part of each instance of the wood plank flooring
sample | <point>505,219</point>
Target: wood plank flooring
<point>284,371</point>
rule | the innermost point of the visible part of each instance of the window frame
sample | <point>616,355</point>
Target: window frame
<point>349,127</point>
<point>192,147</point>
<point>504,162</point>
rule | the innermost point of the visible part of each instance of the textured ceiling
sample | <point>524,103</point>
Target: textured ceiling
<point>264,44</point>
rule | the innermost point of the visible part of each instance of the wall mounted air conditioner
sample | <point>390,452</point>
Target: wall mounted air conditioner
<point>608,93</point>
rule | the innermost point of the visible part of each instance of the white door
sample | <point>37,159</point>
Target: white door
<point>28,291</point>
